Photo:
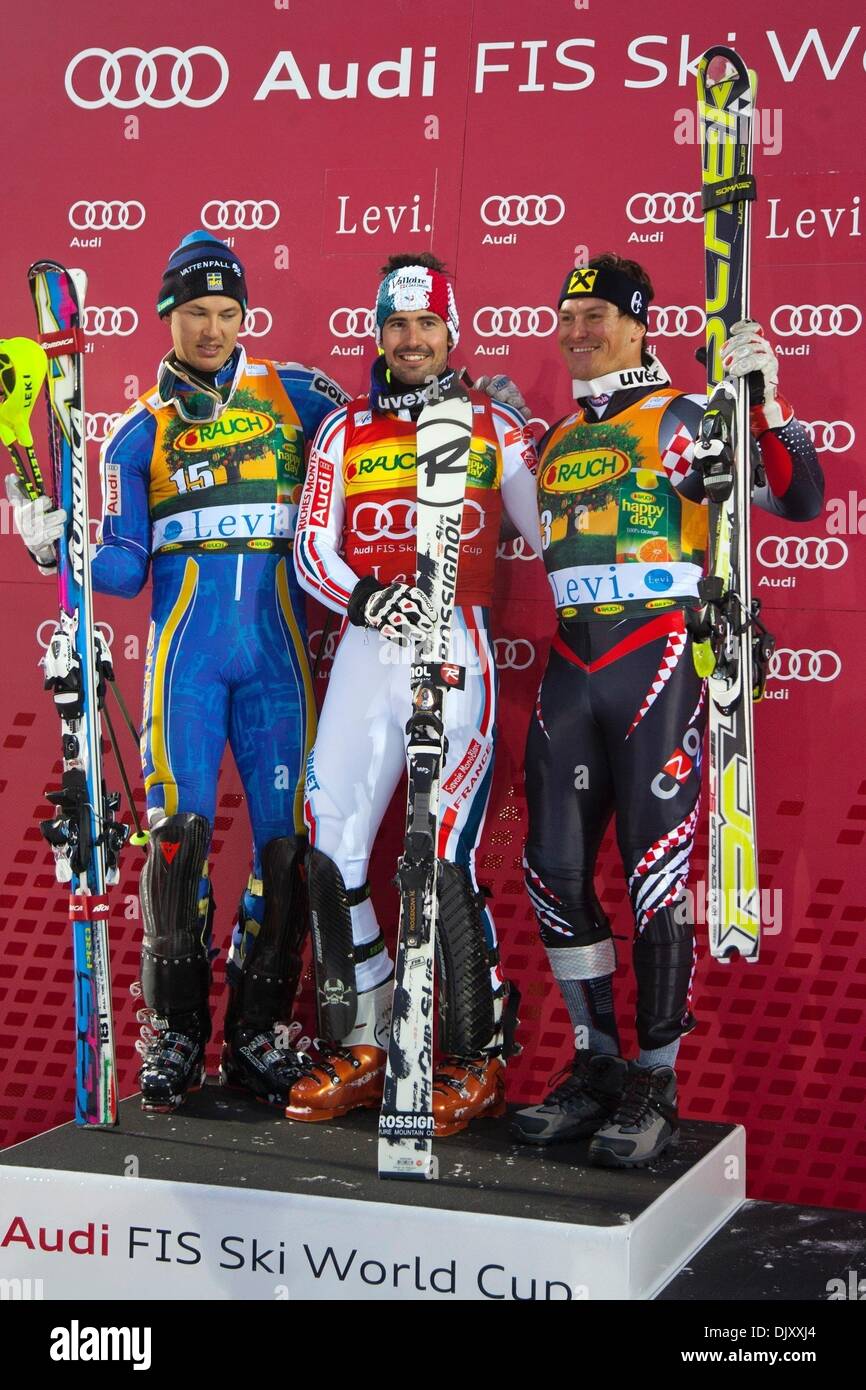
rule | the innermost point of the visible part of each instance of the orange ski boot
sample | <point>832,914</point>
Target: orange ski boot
<point>350,1075</point>
<point>340,1079</point>
<point>464,1089</point>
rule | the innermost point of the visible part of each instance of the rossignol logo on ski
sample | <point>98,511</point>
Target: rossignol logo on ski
<point>408,1126</point>
<point>445,460</point>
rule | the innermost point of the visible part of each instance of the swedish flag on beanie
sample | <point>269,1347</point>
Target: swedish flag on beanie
<point>199,266</point>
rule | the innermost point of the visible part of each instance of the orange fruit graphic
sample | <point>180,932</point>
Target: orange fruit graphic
<point>654,551</point>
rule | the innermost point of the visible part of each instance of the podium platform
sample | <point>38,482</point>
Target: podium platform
<point>226,1199</point>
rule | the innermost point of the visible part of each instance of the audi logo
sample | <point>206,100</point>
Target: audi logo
<point>49,626</point>
<point>109,322</point>
<point>100,424</point>
<point>531,210</point>
<point>353,323</point>
<point>823,434</point>
<point>518,549</point>
<point>513,653</point>
<point>107,217</point>
<point>788,665</point>
<point>144,77</point>
<point>257,323</point>
<point>802,552</point>
<point>675,321</point>
<point>397,521</point>
<point>507,322</point>
<point>328,650</point>
<point>816,320</point>
<point>663,207</point>
<point>235,216</point>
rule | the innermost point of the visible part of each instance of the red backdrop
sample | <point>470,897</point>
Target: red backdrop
<point>507,138</point>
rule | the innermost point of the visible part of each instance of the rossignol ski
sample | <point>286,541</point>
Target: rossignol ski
<point>732,647</point>
<point>406,1118</point>
<point>84,833</point>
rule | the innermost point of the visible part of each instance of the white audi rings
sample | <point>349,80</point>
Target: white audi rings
<point>113,216</point>
<point>144,77</point>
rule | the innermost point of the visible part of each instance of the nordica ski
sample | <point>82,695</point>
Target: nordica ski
<point>406,1118</point>
<point>84,834</point>
<point>736,647</point>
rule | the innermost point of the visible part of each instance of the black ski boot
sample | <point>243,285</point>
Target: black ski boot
<point>264,1063</point>
<point>645,1123</point>
<point>586,1098</point>
<point>173,1062</point>
<point>263,970</point>
<point>175,964</point>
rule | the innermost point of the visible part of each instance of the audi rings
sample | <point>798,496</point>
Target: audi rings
<point>100,424</point>
<point>513,653</point>
<point>353,323</point>
<point>107,217</point>
<point>664,207</point>
<point>323,652</point>
<point>788,665</point>
<point>676,321</point>
<point>507,322</point>
<point>109,322</point>
<point>236,216</point>
<point>397,520</point>
<point>823,434</point>
<point>49,626</point>
<point>145,77</point>
<point>530,210</point>
<point>801,552</point>
<point>816,320</point>
<point>517,549</point>
<point>257,323</point>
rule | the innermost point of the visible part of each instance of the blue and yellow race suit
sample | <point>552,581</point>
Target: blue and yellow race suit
<point>212,508</point>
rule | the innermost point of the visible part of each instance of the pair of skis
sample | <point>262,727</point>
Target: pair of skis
<point>84,833</point>
<point>406,1117</point>
<point>736,647</point>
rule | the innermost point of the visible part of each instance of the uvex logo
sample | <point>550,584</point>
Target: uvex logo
<point>233,427</point>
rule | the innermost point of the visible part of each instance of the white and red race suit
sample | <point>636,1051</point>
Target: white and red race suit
<point>357,518</point>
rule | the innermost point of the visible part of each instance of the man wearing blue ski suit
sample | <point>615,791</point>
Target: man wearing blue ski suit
<point>201,479</point>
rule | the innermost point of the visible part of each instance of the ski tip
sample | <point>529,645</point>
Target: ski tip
<point>79,280</point>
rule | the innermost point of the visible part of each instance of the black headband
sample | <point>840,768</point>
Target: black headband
<point>602,282</point>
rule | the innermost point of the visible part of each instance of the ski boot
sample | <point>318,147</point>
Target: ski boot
<point>263,1063</point>
<point>263,970</point>
<point>349,1075</point>
<point>173,1060</point>
<point>585,1096</point>
<point>177,909</point>
<point>646,1121</point>
<point>464,1089</point>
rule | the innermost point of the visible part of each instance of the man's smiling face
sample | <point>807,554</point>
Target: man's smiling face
<point>596,338</point>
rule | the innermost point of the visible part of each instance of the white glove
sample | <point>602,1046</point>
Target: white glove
<point>399,612</point>
<point>39,523</point>
<point>747,350</point>
<point>502,388</point>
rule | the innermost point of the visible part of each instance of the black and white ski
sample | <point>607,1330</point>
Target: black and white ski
<point>406,1119</point>
<point>84,833</point>
<point>735,646</point>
